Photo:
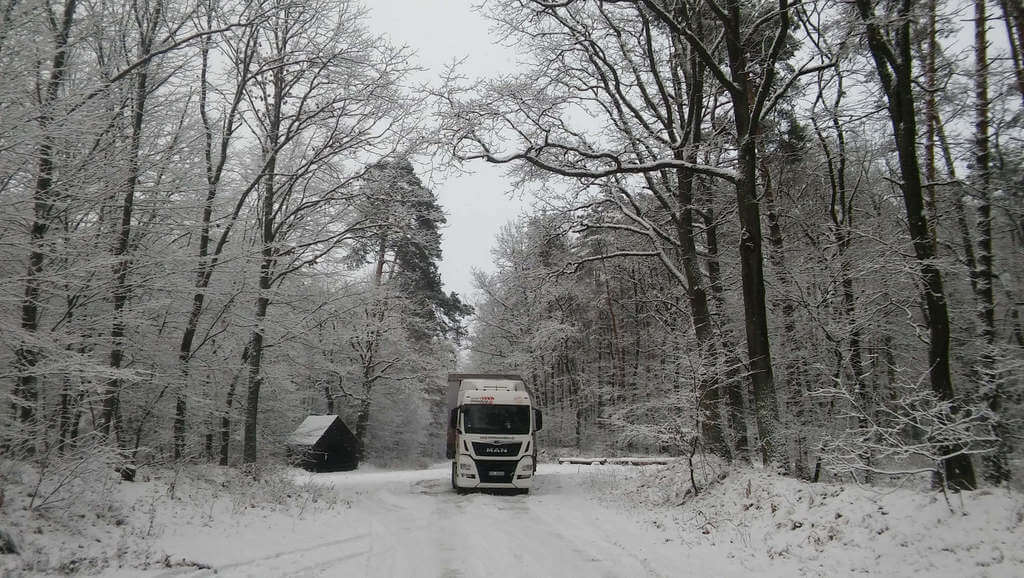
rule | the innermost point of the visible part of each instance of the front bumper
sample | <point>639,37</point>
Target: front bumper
<point>485,473</point>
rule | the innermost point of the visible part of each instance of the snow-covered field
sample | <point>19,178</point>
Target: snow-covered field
<point>580,520</point>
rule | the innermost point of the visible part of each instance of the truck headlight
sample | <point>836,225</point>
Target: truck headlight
<point>526,466</point>
<point>465,467</point>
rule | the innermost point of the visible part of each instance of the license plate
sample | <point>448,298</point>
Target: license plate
<point>494,473</point>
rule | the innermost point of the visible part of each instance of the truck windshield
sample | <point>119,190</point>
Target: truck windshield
<point>496,419</point>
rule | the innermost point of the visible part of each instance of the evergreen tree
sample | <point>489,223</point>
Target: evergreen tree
<point>406,248</point>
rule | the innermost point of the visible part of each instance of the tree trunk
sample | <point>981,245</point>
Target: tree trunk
<point>710,392</point>
<point>1013,18</point>
<point>841,215</point>
<point>229,401</point>
<point>995,464</point>
<point>268,261</point>
<point>67,412</point>
<point>700,311</point>
<point>746,114</point>
<point>755,314</point>
<point>982,173</point>
<point>329,398</point>
<point>897,82</point>
<point>615,344</point>
<point>363,421</point>
<point>790,382</point>
<point>122,291</point>
<point>254,381</point>
<point>736,430</point>
<point>931,114</point>
<point>27,354</point>
<point>255,377</point>
<point>214,167</point>
<point>966,242</point>
<point>750,99</point>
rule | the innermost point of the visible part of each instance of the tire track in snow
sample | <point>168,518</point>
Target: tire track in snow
<point>538,534</point>
<point>608,556</point>
<point>257,566</point>
<point>420,527</point>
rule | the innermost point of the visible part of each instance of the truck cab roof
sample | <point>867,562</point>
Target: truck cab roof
<point>492,385</point>
<point>494,397</point>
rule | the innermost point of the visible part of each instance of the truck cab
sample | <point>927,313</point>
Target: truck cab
<point>492,432</point>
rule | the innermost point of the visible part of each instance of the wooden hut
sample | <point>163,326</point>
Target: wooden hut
<point>323,443</point>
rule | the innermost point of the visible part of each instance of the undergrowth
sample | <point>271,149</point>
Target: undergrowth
<point>81,518</point>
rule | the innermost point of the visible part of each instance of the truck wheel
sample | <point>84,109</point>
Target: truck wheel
<point>455,486</point>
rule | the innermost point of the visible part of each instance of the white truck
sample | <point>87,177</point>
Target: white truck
<point>492,432</point>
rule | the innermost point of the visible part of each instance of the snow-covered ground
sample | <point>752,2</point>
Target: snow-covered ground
<point>410,523</point>
<point>579,520</point>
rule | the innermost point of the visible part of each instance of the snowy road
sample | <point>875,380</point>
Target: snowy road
<point>424,528</point>
<point>412,524</point>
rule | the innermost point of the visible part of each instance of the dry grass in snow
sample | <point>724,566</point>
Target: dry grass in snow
<point>780,526</point>
<point>97,524</point>
<point>744,520</point>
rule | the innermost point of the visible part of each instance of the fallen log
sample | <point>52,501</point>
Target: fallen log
<point>616,461</point>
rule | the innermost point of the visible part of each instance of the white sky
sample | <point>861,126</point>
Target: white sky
<point>477,204</point>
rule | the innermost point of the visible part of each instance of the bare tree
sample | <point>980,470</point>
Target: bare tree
<point>27,354</point>
<point>328,101</point>
<point>995,464</point>
<point>150,19</point>
<point>890,44</point>
<point>1013,19</point>
<point>655,107</point>
<point>218,137</point>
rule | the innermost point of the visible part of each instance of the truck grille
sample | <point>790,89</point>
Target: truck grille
<point>496,450</point>
<point>496,471</point>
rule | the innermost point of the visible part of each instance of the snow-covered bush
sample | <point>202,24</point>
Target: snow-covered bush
<point>907,434</point>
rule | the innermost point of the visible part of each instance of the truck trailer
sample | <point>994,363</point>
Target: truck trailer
<point>492,432</point>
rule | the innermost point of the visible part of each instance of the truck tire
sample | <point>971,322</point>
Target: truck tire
<point>455,486</point>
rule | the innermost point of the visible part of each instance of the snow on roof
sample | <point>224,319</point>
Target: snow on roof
<point>311,429</point>
<point>498,384</point>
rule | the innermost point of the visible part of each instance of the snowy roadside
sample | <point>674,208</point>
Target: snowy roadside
<point>94,523</point>
<point>607,519</point>
<point>780,526</point>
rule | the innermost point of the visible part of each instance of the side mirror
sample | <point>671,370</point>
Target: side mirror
<point>538,418</point>
<point>453,418</point>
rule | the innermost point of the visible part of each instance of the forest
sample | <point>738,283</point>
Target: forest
<point>789,233</point>
<point>212,229</point>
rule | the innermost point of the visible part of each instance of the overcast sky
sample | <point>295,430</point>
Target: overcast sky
<point>477,205</point>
